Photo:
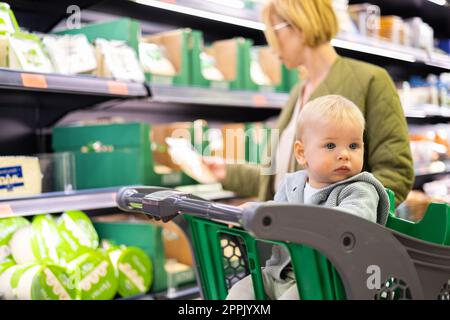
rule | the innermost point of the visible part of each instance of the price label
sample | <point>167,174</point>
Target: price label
<point>259,100</point>
<point>116,87</point>
<point>34,80</point>
<point>5,209</point>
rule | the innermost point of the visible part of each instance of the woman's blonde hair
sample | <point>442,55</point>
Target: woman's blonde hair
<point>331,107</point>
<point>316,18</point>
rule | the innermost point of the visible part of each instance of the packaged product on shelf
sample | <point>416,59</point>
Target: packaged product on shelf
<point>95,276</point>
<point>209,66</point>
<point>71,54</point>
<point>345,22</point>
<point>43,282</point>
<point>223,64</point>
<point>27,53</point>
<point>154,59</point>
<point>178,274</point>
<point>32,281</point>
<point>422,34</point>
<point>391,29</point>
<point>38,242</point>
<point>6,290</point>
<point>4,44</point>
<point>165,57</point>
<point>5,264</point>
<point>444,44</point>
<point>259,72</point>
<point>8,226</point>
<point>8,21</point>
<point>115,59</point>
<point>134,269</point>
<point>438,190</point>
<point>77,234</point>
<point>366,17</point>
<point>19,175</point>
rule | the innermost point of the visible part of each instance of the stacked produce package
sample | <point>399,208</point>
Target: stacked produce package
<point>60,258</point>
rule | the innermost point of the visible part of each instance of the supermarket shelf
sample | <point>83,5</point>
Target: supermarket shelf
<point>429,172</point>
<point>187,292</point>
<point>428,114</point>
<point>379,47</point>
<point>235,14</point>
<point>77,85</point>
<point>89,199</point>
<point>56,202</point>
<point>211,96</point>
<point>431,169</point>
<point>232,11</point>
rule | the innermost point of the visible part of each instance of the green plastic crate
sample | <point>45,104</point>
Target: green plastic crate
<point>289,77</point>
<point>183,77</point>
<point>124,156</point>
<point>242,68</point>
<point>146,236</point>
<point>316,276</point>
<point>124,29</point>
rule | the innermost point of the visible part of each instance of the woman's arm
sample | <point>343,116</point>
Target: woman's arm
<point>242,179</point>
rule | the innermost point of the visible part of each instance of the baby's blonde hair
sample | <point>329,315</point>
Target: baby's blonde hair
<point>316,18</point>
<point>330,107</point>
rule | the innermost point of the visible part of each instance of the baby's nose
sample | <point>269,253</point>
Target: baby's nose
<point>343,155</point>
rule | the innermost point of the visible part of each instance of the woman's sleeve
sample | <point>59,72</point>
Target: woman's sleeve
<point>242,179</point>
<point>388,150</point>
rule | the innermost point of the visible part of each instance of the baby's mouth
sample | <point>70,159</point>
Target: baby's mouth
<point>342,169</point>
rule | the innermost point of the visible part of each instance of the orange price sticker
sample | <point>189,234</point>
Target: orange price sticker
<point>116,87</point>
<point>5,209</point>
<point>259,100</point>
<point>34,80</point>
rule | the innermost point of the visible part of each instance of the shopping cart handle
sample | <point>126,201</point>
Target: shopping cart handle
<point>165,204</point>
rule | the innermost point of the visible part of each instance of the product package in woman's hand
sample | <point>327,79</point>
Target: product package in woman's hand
<point>184,155</point>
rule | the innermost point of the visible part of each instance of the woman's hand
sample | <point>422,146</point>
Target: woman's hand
<point>217,167</point>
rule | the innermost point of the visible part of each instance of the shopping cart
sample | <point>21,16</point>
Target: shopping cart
<point>334,255</point>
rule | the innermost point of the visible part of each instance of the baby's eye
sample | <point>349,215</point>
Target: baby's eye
<point>330,145</point>
<point>354,146</point>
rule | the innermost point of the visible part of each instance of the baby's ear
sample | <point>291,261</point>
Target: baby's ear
<point>299,152</point>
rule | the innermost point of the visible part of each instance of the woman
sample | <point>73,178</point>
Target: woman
<point>300,32</point>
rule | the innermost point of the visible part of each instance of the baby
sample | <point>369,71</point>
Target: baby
<point>329,145</point>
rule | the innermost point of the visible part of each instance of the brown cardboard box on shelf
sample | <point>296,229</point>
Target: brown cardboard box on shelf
<point>158,135</point>
<point>176,243</point>
<point>225,53</point>
<point>270,64</point>
<point>366,16</point>
<point>233,137</point>
<point>4,51</point>
<point>171,42</point>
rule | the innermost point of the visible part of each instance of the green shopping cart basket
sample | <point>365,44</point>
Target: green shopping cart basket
<point>330,260</point>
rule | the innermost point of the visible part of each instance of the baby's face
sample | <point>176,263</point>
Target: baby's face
<point>331,151</point>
